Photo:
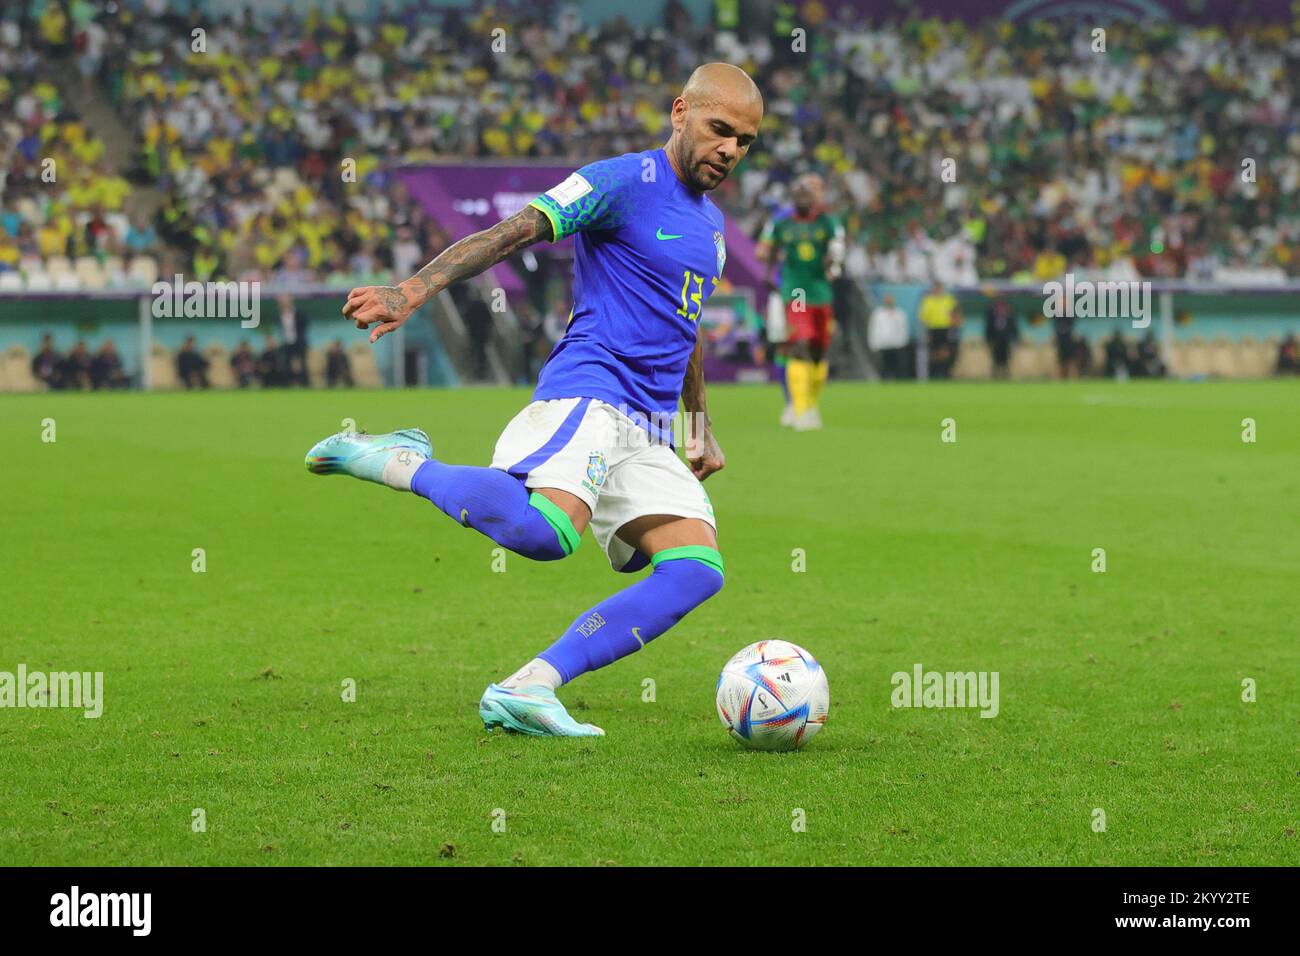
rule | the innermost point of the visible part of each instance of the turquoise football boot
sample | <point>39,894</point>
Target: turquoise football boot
<point>364,456</point>
<point>530,710</point>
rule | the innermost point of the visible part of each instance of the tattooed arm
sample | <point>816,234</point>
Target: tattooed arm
<point>702,449</point>
<point>390,306</point>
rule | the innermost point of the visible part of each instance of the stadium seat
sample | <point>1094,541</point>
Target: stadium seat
<point>56,266</point>
<point>143,269</point>
<point>162,368</point>
<point>220,375</point>
<point>1261,361</point>
<point>1097,353</point>
<point>10,281</point>
<point>364,371</point>
<point>1032,360</point>
<point>1244,356</point>
<point>974,361</point>
<point>1197,356</point>
<point>39,281</point>
<point>1265,358</point>
<point>1178,358</point>
<point>1268,354</point>
<point>1022,361</point>
<point>67,282</point>
<point>1222,357</point>
<point>115,270</point>
<point>16,371</point>
<point>316,367</point>
<point>90,272</point>
<point>4,374</point>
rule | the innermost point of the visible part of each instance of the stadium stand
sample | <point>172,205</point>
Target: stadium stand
<point>1064,163</point>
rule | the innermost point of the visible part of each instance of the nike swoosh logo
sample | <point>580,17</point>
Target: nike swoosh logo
<point>464,513</point>
<point>638,636</point>
<point>659,234</point>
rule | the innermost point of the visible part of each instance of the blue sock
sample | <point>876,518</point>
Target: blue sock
<point>498,505</point>
<point>683,578</point>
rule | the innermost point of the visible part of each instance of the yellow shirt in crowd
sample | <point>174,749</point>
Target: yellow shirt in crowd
<point>936,310</point>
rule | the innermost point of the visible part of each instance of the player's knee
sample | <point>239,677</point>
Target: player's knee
<point>696,573</point>
<point>555,536</point>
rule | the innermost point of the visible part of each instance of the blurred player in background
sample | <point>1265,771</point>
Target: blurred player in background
<point>809,247</point>
<point>590,449</point>
<point>775,330</point>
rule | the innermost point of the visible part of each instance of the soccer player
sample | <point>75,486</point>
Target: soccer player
<point>591,448</point>
<point>809,244</point>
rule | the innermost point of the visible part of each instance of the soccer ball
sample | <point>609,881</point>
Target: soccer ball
<point>773,695</point>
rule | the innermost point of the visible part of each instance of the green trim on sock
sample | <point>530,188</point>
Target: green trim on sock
<point>555,516</point>
<point>691,552</point>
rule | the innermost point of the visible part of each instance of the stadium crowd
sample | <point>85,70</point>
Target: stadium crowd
<point>1127,161</point>
<point>953,152</point>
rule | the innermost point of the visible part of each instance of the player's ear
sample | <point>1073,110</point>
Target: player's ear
<point>679,113</point>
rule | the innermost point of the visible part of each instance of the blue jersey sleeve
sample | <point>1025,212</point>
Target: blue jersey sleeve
<point>593,198</point>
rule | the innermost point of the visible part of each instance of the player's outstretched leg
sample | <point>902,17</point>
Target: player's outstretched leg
<point>683,578</point>
<point>488,500</point>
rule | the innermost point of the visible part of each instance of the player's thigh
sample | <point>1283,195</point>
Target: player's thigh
<point>803,332</point>
<point>652,502</point>
<point>560,449</point>
<point>574,507</point>
<point>823,327</point>
<point>816,333</point>
<point>800,323</point>
<point>651,534</point>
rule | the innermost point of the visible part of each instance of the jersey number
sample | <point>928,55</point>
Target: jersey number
<point>696,298</point>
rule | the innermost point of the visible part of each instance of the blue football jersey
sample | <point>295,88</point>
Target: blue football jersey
<point>649,252</point>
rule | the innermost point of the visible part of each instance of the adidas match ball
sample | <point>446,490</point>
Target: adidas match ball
<point>773,695</point>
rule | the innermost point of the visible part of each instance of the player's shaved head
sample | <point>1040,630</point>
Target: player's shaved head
<point>721,83</point>
<point>715,119</point>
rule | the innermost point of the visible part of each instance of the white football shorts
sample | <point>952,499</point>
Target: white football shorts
<point>591,449</point>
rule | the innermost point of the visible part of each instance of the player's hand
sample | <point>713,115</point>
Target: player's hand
<point>704,455</point>
<point>384,306</point>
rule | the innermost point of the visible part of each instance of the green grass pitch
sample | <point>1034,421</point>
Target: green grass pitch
<point>1120,691</point>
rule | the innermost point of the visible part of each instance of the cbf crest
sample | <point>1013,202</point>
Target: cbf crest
<point>596,469</point>
<point>720,244</point>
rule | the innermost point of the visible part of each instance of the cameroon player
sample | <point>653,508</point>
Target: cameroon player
<point>808,245</point>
